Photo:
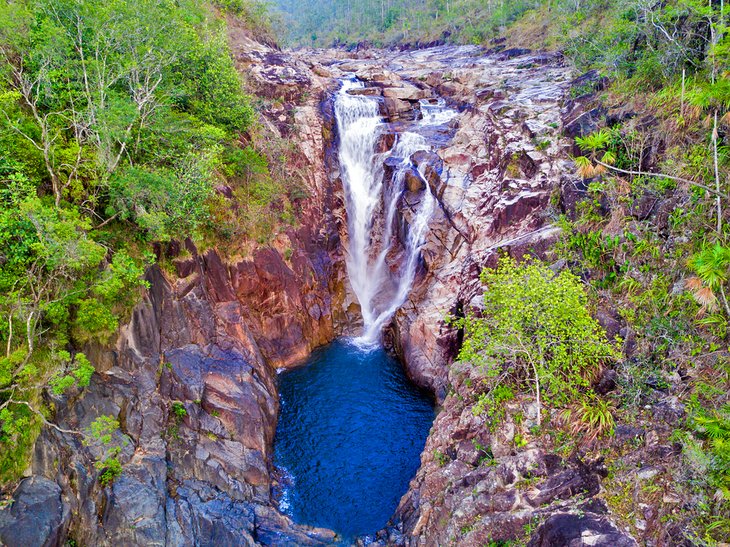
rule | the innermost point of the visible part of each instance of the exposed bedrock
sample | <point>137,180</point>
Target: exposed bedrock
<point>210,335</point>
<point>495,170</point>
<point>207,337</point>
<point>492,172</point>
<point>200,478</point>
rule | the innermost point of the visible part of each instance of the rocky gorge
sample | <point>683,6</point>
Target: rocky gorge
<point>212,330</point>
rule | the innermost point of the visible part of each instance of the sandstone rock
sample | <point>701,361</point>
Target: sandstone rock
<point>366,91</point>
<point>398,109</point>
<point>208,339</point>
<point>413,180</point>
<point>405,93</point>
<point>431,166</point>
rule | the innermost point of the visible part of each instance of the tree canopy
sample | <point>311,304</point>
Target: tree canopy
<point>115,121</point>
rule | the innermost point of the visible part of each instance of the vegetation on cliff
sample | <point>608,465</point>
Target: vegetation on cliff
<point>537,323</point>
<point>118,120</point>
<point>123,124</point>
<point>649,236</point>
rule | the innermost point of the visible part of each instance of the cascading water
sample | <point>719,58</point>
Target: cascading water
<point>352,426</point>
<point>360,126</point>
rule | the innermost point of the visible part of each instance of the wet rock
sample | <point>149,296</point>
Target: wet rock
<point>385,142</point>
<point>413,180</point>
<point>366,91</point>
<point>273,528</point>
<point>431,166</point>
<point>398,109</point>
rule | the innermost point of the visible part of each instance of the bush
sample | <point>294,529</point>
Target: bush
<point>535,332</point>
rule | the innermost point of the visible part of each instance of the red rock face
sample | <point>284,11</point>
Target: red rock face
<point>288,308</point>
<point>192,378</point>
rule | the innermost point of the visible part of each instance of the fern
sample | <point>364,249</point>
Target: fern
<point>711,265</point>
<point>595,141</point>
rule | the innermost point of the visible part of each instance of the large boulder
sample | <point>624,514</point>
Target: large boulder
<point>579,530</point>
<point>37,516</point>
<point>405,93</point>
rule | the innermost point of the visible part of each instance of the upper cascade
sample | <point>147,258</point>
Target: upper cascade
<point>372,205</point>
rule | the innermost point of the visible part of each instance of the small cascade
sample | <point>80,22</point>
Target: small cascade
<point>372,206</point>
<point>435,112</point>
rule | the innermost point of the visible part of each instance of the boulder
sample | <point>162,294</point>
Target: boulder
<point>366,91</point>
<point>413,180</point>
<point>405,93</point>
<point>398,109</point>
<point>577,530</point>
<point>581,122</point>
<point>37,515</point>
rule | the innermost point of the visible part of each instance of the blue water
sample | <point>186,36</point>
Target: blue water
<point>349,438</point>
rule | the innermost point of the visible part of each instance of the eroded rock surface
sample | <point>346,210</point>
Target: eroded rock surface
<point>191,377</point>
<point>210,336</point>
<point>202,477</point>
<point>495,170</point>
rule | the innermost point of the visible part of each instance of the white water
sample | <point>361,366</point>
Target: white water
<point>436,113</point>
<point>379,291</point>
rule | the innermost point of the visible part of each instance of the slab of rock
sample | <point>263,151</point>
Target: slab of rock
<point>571,530</point>
<point>406,93</point>
<point>37,515</point>
<point>366,91</point>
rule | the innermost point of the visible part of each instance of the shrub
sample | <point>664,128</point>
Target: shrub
<point>178,410</point>
<point>536,332</point>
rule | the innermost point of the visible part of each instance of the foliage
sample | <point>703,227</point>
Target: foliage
<point>114,117</point>
<point>109,470</point>
<point>591,418</point>
<point>255,14</point>
<point>178,410</point>
<point>100,437</point>
<point>386,22</point>
<point>711,266</point>
<point>535,332</point>
<point>707,453</point>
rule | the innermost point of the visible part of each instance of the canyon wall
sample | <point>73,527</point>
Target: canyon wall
<point>211,334</point>
<point>207,337</point>
<point>497,171</point>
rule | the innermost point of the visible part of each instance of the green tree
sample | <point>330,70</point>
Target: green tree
<point>535,330</point>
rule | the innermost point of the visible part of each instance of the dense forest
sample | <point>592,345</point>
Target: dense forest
<point>390,22</point>
<point>118,121</point>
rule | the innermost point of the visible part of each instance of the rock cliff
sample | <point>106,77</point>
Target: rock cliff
<point>207,337</point>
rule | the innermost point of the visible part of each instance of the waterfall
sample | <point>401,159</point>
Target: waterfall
<point>372,206</point>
